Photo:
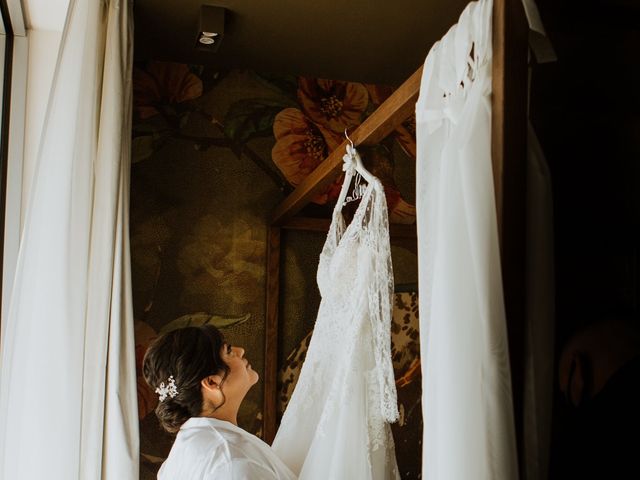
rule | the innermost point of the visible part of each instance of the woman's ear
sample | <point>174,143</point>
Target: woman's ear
<point>211,383</point>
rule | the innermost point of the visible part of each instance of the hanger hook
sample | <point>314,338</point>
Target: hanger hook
<point>347,136</point>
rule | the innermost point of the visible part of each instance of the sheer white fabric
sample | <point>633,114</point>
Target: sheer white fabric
<point>211,449</point>
<point>336,424</point>
<point>68,406</point>
<point>467,403</point>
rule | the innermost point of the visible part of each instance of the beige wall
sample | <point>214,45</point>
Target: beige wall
<point>45,14</point>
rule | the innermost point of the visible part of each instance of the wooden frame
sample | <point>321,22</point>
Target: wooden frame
<point>509,153</point>
<point>509,130</point>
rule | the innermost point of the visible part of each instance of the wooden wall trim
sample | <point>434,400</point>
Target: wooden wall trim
<point>509,153</point>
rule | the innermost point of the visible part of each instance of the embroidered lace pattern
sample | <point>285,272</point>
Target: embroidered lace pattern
<point>348,368</point>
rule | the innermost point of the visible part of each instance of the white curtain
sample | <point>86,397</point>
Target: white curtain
<point>67,380</point>
<point>467,402</point>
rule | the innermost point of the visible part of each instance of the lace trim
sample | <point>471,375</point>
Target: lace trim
<point>353,328</point>
<point>380,302</point>
<point>370,226</point>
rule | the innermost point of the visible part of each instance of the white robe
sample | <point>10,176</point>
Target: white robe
<point>207,449</point>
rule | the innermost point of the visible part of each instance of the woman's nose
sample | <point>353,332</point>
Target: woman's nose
<point>240,351</point>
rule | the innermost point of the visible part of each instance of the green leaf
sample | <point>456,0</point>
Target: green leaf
<point>142,148</point>
<point>202,318</point>
<point>251,118</point>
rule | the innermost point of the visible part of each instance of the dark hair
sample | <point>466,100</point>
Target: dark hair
<point>188,354</point>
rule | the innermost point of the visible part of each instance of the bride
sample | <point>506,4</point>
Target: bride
<point>336,425</point>
<point>201,381</point>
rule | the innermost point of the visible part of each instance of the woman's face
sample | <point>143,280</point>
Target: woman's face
<point>241,376</point>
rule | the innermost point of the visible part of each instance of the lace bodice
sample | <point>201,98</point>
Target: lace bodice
<point>348,369</point>
<point>355,273</point>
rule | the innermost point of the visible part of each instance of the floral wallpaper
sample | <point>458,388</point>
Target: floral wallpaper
<point>213,153</point>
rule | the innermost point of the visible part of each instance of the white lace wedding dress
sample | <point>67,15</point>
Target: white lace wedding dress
<point>336,425</point>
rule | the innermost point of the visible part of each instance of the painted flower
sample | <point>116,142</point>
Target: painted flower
<point>334,105</point>
<point>405,134</point>
<point>163,83</point>
<point>378,93</point>
<point>222,263</point>
<point>380,164</point>
<point>301,145</point>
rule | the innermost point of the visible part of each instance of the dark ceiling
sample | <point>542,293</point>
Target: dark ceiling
<point>359,40</point>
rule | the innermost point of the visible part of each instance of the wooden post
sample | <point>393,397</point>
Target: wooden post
<point>509,153</point>
<point>271,335</point>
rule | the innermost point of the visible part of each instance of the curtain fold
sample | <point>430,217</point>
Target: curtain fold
<point>469,427</point>
<point>68,405</point>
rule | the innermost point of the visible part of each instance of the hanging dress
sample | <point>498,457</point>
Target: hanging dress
<point>467,403</point>
<point>336,425</point>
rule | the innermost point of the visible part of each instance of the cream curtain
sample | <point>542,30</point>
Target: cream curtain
<point>67,379</point>
<point>469,428</point>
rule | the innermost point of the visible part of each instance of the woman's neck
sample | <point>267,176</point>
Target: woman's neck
<point>227,412</point>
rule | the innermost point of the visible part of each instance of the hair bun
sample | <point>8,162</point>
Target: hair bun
<point>175,364</point>
<point>172,415</point>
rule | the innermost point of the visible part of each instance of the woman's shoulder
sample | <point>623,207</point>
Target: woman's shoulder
<point>227,450</point>
<point>199,448</point>
<point>210,434</point>
<point>251,458</point>
<point>198,436</point>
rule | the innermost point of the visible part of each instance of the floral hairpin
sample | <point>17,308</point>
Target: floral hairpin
<point>349,159</point>
<point>168,390</point>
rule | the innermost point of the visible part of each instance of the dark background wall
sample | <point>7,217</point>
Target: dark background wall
<point>214,152</point>
<point>585,109</point>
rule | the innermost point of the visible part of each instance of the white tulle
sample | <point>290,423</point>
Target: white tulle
<point>336,425</point>
<point>467,404</point>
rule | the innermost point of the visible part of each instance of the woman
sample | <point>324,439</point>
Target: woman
<point>201,382</point>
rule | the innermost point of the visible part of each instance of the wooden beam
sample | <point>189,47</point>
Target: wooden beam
<point>271,335</point>
<point>509,153</point>
<point>384,120</point>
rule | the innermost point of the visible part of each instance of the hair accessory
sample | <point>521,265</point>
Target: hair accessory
<point>349,159</point>
<point>169,390</point>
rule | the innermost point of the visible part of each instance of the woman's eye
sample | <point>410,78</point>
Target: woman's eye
<point>228,349</point>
